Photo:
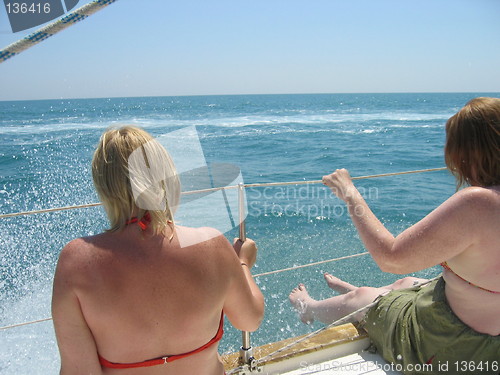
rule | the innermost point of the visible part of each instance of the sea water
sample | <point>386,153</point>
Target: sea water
<point>45,152</point>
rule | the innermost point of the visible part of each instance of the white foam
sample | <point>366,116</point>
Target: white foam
<point>166,120</point>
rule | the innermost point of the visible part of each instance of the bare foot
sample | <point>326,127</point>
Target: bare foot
<point>338,285</point>
<point>300,299</point>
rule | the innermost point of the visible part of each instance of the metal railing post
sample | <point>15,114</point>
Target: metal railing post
<point>246,351</point>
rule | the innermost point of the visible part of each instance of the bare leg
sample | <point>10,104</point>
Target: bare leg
<point>334,308</point>
<point>342,286</point>
<point>352,299</point>
<point>406,282</point>
<point>338,285</point>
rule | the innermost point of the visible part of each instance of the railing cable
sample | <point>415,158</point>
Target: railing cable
<point>26,323</point>
<point>310,264</point>
<point>265,184</point>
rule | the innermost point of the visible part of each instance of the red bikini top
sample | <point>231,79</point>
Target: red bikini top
<point>168,358</point>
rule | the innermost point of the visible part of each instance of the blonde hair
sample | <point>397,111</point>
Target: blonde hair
<point>472,150</point>
<point>134,174</point>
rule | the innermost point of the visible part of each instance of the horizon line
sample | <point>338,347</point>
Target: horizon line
<point>267,94</point>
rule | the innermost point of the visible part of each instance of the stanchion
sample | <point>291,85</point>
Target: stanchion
<point>246,350</point>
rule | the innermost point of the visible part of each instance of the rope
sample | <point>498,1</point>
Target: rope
<point>25,323</point>
<point>50,210</point>
<point>310,264</point>
<point>228,187</point>
<point>353,178</point>
<point>53,28</point>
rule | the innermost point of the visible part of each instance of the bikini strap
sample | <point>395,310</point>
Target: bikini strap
<point>146,219</point>
<point>447,267</point>
<point>143,223</point>
<point>167,359</point>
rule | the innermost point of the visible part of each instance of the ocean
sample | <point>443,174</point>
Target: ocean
<point>46,147</point>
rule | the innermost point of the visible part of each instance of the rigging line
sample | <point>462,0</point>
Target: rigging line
<point>353,178</point>
<point>26,323</point>
<point>310,264</point>
<point>230,187</point>
<point>261,274</point>
<point>50,210</point>
<point>53,28</point>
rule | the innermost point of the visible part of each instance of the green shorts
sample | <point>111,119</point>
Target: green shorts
<point>415,326</point>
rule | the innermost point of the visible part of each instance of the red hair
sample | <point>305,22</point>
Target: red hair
<point>472,150</point>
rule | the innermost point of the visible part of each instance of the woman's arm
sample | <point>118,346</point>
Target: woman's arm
<point>75,340</point>
<point>441,235</point>
<point>244,304</point>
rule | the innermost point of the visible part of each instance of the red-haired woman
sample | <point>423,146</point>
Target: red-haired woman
<point>456,316</point>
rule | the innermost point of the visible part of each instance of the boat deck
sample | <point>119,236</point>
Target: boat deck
<point>336,350</point>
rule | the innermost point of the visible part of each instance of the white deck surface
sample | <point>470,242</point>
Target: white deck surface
<point>353,364</point>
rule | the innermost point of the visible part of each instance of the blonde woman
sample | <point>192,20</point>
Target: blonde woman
<point>148,296</point>
<point>456,317</point>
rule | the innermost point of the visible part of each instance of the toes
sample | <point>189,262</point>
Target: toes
<point>294,292</point>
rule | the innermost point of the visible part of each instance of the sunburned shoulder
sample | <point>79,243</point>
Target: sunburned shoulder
<point>71,259</point>
<point>75,247</point>
<point>199,235</point>
<point>200,231</point>
<point>481,205</point>
<point>209,232</point>
<point>79,249</point>
<point>482,196</point>
<point>85,243</point>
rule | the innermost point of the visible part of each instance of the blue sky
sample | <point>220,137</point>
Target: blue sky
<point>203,47</point>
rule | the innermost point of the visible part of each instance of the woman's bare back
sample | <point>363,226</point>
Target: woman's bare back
<point>144,296</point>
